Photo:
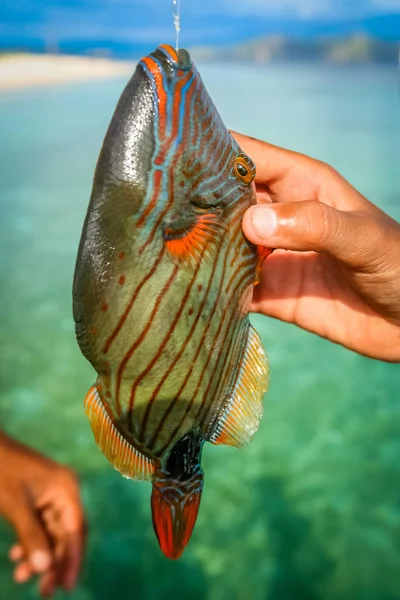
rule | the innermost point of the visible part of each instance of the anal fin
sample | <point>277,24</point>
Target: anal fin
<point>243,409</point>
<point>121,454</point>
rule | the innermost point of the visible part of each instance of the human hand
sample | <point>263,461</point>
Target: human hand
<point>41,501</point>
<point>336,270</point>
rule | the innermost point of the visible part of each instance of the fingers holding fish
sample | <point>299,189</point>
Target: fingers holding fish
<point>272,162</point>
<point>300,226</point>
<point>315,226</point>
<point>287,176</point>
<point>334,272</point>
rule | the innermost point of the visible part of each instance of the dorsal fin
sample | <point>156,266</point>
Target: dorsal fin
<point>243,409</point>
<point>121,454</point>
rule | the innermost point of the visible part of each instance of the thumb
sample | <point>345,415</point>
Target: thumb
<point>32,537</point>
<point>310,225</point>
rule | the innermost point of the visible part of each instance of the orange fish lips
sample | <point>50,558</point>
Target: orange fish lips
<point>176,59</point>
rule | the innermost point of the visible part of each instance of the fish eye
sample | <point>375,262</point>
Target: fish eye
<point>244,169</point>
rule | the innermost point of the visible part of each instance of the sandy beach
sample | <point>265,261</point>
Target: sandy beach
<point>19,71</point>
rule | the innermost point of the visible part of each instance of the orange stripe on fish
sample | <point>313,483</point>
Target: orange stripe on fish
<point>248,262</point>
<point>242,280</point>
<point>172,166</point>
<point>230,333</point>
<point>170,51</point>
<point>183,386</point>
<point>158,175</point>
<point>135,294</point>
<point>154,69</point>
<point>141,337</point>
<point>161,347</point>
<point>153,439</point>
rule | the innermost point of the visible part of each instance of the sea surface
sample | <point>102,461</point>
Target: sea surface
<point>311,509</point>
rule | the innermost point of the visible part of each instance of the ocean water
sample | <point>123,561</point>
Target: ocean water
<point>311,509</point>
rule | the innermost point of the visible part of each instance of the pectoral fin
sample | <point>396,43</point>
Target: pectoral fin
<point>121,454</point>
<point>188,236</point>
<point>243,409</point>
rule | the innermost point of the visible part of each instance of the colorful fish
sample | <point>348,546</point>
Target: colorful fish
<point>162,290</point>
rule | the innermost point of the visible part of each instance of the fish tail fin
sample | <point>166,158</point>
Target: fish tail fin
<point>174,506</point>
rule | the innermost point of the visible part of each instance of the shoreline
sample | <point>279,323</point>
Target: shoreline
<point>27,71</point>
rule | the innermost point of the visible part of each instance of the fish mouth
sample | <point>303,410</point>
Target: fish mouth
<point>169,60</point>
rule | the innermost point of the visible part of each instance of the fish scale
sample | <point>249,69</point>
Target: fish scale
<point>162,291</point>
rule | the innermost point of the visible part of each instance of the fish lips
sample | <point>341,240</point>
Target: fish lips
<point>170,60</point>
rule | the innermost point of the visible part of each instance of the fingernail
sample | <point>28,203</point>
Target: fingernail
<point>40,560</point>
<point>264,222</point>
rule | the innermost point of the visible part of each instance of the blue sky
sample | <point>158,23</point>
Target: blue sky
<point>134,26</point>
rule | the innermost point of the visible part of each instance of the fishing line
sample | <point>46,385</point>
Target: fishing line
<point>176,11</point>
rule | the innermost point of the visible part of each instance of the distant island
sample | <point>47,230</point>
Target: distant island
<point>354,49</point>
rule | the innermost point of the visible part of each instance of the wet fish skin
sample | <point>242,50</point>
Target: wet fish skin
<point>162,289</point>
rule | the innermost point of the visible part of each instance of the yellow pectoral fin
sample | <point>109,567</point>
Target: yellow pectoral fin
<point>244,408</point>
<point>121,454</point>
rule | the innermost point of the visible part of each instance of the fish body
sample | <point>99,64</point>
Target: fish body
<point>162,290</point>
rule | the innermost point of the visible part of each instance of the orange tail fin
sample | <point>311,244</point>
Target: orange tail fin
<point>174,506</point>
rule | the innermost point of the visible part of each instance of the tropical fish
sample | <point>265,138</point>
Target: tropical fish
<point>162,290</point>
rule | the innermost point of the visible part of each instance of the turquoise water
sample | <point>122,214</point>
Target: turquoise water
<point>311,510</point>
